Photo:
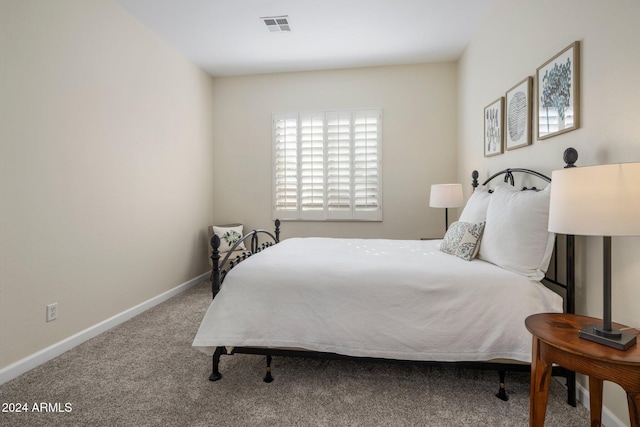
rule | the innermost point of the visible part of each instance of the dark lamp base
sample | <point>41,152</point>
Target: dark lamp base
<point>614,338</point>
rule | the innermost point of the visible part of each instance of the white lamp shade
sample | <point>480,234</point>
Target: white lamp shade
<point>446,196</point>
<point>599,200</point>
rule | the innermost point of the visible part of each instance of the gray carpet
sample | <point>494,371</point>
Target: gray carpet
<point>145,373</point>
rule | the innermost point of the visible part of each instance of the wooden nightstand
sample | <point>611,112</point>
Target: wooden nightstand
<point>555,340</point>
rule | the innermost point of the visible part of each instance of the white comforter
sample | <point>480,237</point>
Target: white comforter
<point>398,299</point>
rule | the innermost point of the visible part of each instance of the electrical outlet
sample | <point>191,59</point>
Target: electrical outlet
<point>52,311</point>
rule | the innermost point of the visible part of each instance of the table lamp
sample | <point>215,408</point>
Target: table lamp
<point>446,196</point>
<point>602,201</point>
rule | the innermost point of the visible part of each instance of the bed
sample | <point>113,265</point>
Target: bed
<point>460,301</point>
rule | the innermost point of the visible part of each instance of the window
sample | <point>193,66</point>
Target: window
<point>327,165</point>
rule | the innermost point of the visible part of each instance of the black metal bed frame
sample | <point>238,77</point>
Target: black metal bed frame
<point>220,270</point>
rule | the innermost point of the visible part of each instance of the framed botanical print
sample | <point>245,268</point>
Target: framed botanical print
<point>558,93</point>
<point>518,115</point>
<point>493,127</point>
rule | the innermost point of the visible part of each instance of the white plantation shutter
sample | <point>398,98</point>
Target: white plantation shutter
<point>366,163</point>
<point>339,155</point>
<point>285,174</point>
<point>327,165</point>
<point>311,162</point>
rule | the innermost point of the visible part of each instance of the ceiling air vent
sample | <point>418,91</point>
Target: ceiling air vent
<point>277,24</point>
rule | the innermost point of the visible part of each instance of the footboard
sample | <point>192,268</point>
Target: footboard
<point>220,269</point>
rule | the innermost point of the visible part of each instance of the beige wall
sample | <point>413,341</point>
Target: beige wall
<point>518,37</point>
<point>105,168</point>
<point>419,142</point>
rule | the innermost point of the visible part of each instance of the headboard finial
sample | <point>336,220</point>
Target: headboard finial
<point>570,157</point>
<point>475,176</point>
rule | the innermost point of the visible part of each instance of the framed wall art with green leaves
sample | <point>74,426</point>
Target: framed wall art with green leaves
<point>558,93</point>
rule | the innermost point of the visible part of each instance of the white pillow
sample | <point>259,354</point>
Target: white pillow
<point>228,237</point>
<point>462,240</point>
<point>516,235</point>
<point>475,211</point>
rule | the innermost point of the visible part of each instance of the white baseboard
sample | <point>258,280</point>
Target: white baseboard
<point>21,366</point>
<point>608,417</point>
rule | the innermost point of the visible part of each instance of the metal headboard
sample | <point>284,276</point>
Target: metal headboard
<point>570,157</point>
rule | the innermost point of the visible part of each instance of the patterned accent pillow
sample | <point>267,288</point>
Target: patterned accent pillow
<point>462,240</point>
<point>228,237</point>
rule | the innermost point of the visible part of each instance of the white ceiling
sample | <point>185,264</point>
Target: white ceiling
<point>226,37</point>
